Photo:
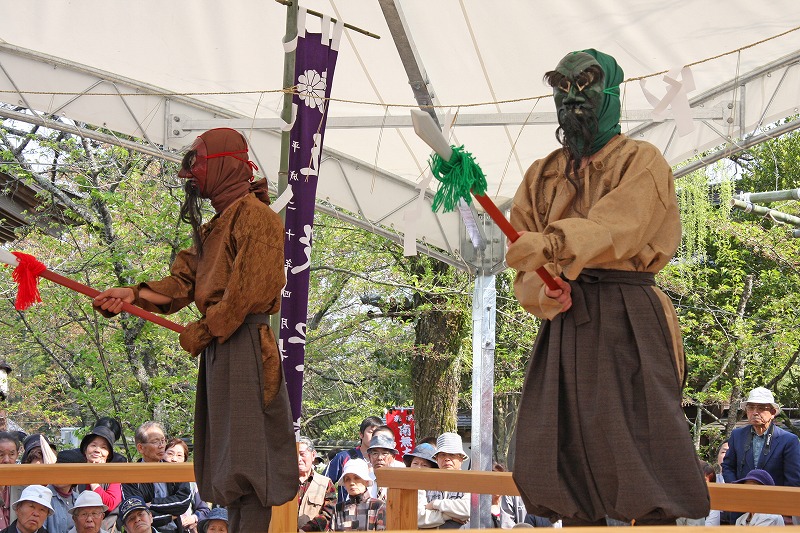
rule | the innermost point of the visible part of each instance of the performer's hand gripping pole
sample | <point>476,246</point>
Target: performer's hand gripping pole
<point>37,269</point>
<point>428,131</point>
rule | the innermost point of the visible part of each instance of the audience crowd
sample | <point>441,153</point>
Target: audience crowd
<point>342,495</point>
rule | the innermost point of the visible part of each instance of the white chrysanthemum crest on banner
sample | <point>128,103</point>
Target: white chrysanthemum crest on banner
<point>311,87</point>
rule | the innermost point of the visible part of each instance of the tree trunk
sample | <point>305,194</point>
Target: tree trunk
<point>436,364</point>
<point>739,361</point>
<point>506,407</point>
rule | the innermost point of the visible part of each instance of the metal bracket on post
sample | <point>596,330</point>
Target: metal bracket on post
<point>729,110</point>
<point>175,126</point>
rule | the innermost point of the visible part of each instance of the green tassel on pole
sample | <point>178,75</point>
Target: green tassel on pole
<point>458,177</point>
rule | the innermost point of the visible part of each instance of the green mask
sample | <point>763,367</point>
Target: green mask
<point>602,97</point>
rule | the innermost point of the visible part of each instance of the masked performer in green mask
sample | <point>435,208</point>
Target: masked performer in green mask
<point>600,417</point>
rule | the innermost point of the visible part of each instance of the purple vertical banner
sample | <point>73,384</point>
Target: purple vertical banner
<point>314,64</point>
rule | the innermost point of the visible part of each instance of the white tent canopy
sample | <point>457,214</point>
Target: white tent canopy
<point>162,70</point>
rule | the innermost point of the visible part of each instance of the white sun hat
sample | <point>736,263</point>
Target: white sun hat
<point>358,467</point>
<point>36,494</point>
<point>450,443</point>
<point>761,395</point>
<point>88,498</point>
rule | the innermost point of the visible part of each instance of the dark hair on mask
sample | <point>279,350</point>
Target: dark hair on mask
<point>192,214</point>
<point>554,78</point>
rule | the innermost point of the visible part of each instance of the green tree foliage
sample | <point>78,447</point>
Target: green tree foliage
<point>515,333</point>
<point>119,213</point>
<point>736,287</point>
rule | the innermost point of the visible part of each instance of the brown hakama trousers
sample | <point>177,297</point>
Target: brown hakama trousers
<point>600,430</point>
<point>245,457</point>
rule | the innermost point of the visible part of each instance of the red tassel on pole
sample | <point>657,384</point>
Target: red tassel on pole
<point>26,274</point>
<point>28,270</point>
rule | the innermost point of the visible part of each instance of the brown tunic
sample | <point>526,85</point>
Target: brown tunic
<point>243,427</point>
<point>600,430</point>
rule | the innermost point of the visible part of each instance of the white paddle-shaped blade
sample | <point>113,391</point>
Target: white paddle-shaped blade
<point>428,131</point>
<point>8,258</point>
<point>48,456</point>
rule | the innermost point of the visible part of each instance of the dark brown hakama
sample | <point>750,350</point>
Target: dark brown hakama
<point>240,448</point>
<point>601,431</point>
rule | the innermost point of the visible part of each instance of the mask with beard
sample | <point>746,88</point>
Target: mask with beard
<point>586,92</point>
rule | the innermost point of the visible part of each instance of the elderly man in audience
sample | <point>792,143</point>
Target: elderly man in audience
<point>453,506</point>
<point>381,454</point>
<point>87,513</point>
<point>386,430</point>
<point>32,508</point>
<point>762,444</point>
<point>9,452</point>
<point>316,498</point>
<point>136,516</point>
<point>167,501</point>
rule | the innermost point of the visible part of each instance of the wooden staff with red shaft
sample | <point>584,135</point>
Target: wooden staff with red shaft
<point>27,270</point>
<point>469,181</point>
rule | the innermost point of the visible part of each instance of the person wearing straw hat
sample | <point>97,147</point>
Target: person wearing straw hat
<point>762,444</point>
<point>360,511</point>
<point>234,274</point>
<point>601,215</point>
<point>87,513</point>
<point>758,477</point>
<point>33,508</point>
<point>454,507</point>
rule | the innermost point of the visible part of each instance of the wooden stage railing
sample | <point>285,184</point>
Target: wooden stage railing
<point>284,517</point>
<point>403,483</point>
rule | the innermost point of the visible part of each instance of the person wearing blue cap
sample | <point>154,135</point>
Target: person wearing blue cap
<point>215,522</point>
<point>136,516</point>
<point>758,477</point>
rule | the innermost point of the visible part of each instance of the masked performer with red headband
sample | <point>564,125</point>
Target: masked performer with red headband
<point>234,275</point>
<point>601,407</point>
